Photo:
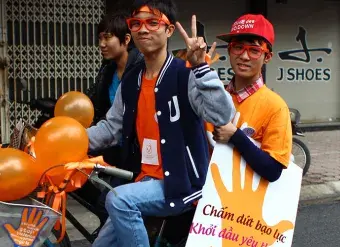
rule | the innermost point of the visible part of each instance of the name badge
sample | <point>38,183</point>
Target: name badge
<point>149,152</point>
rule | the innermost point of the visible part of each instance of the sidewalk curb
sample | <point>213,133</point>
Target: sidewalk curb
<point>326,126</point>
<point>320,191</point>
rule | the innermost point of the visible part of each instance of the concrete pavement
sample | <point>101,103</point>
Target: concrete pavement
<point>324,147</point>
<point>323,177</point>
<point>317,224</point>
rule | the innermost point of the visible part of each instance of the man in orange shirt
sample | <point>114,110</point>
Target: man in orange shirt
<point>159,111</point>
<point>260,113</point>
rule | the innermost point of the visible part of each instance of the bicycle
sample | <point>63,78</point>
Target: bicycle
<point>300,152</point>
<point>156,227</point>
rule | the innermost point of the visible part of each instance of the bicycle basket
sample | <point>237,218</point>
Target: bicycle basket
<point>16,214</point>
<point>16,136</point>
<point>22,134</point>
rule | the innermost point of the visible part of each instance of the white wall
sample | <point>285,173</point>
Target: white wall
<point>317,94</point>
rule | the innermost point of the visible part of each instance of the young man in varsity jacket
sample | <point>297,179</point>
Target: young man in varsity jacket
<point>159,110</point>
<point>260,113</point>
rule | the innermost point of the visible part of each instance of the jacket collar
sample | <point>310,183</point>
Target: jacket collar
<point>164,68</point>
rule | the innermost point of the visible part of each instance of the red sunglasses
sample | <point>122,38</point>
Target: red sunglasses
<point>152,24</point>
<point>253,51</point>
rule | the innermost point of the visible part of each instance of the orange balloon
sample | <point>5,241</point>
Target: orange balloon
<point>75,105</point>
<point>60,140</point>
<point>18,174</point>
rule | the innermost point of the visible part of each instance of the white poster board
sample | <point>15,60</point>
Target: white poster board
<point>240,209</point>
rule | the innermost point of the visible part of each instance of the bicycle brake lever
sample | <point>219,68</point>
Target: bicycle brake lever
<point>94,177</point>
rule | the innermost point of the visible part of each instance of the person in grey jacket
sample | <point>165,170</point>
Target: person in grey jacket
<point>158,112</point>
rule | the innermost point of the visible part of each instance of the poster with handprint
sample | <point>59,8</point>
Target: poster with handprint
<point>25,223</point>
<point>29,228</point>
<point>239,208</point>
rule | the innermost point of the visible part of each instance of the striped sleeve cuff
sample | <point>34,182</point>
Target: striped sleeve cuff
<point>201,70</point>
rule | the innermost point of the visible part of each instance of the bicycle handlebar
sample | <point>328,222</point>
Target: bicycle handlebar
<point>113,171</point>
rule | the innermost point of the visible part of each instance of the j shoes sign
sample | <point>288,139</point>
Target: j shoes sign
<point>304,55</point>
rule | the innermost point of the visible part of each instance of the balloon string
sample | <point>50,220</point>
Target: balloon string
<point>55,166</point>
<point>67,178</point>
<point>44,173</point>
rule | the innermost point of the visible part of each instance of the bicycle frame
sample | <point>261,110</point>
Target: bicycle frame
<point>89,236</point>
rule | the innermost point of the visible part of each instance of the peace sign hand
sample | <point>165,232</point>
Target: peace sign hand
<point>212,50</point>
<point>196,47</point>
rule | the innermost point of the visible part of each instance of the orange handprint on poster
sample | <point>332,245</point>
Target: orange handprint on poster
<point>29,228</point>
<point>246,206</point>
<point>239,208</point>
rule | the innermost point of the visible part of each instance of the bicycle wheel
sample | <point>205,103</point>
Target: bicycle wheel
<point>301,155</point>
<point>52,241</point>
<point>182,243</point>
<point>165,243</point>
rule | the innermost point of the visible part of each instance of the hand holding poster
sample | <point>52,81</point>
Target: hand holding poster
<point>239,208</point>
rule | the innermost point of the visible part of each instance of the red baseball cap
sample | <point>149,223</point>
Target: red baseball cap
<point>250,24</point>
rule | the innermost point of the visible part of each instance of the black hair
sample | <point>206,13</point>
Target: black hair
<point>167,7</point>
<point>115,24</point>
<point>252,39</point>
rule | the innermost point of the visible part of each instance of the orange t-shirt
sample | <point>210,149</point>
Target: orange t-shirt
<point>147,129</point>
<point>268,115</point>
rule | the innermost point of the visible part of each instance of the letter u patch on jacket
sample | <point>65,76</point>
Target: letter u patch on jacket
<point>174,111</point>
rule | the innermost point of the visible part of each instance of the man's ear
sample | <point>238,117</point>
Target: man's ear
<point>268,57</point>
<point>170,30</point>
<point>127,39</point>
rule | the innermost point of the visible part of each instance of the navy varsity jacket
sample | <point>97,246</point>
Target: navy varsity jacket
<point>184,98</point>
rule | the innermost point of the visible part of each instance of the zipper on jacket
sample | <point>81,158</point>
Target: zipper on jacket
<point>192,162</point>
